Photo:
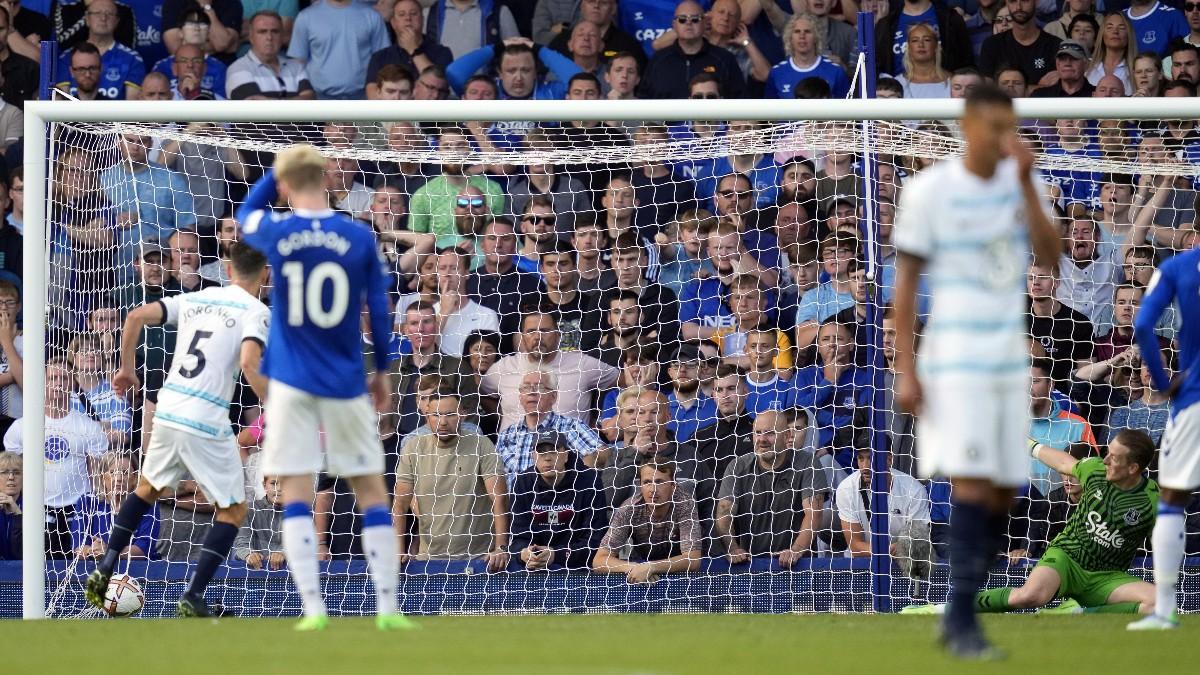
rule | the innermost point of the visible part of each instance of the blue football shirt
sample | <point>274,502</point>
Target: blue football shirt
<point>119,66</point>
<point>1176,280</point>
<point>785,76</point>
<point>325,267</point>
<point>1157,29</point>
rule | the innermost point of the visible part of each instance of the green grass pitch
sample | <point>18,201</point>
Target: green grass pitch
<point>617,644</point>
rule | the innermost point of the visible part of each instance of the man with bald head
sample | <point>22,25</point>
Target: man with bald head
<point>770,500</point>
<point>613,40</point>
<point>539,348</point>
<point>121,69</point>
<point>727,29</point>
<point>671,68</point>
<point>1109,86</point>
<point>156,87</point>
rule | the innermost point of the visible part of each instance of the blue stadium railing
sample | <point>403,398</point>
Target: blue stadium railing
<point>439,587</point>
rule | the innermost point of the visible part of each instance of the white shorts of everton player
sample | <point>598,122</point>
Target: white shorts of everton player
<point>1179,458</point>
<point>214,463</point>
<point>975,427</point>
<point>292,434</point>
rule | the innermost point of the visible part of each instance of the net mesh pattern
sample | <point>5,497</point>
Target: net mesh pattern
<point>650,295</point>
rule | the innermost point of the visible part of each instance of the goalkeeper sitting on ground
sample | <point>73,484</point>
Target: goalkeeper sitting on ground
<point>1086,565</point>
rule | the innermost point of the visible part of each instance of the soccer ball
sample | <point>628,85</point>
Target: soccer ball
<point>124,596</point>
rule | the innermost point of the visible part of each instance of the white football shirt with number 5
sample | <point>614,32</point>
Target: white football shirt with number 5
<point>212,323</point>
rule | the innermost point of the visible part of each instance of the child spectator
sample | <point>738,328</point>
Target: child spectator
<point>639,368</point>
<point>260,541</point>
<point>90,531</point>
<point>747,302</point>
<point>681,249</point>
<point>95,396</point>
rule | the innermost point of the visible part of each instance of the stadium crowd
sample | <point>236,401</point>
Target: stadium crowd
<point>626,368</point>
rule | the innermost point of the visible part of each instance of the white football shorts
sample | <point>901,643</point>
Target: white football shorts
<point>1179,456</point>
<point>214,463</point>
<point>292,434</point>
<point>975,427</point>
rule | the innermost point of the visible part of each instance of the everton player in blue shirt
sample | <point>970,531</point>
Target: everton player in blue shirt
<point>326,267</point>
<point>1176,280</point>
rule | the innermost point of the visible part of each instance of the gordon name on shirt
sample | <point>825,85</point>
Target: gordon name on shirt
<point>314,238</point>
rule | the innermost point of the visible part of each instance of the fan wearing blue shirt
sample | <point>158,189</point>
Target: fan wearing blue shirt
<point>517,70</point>
<point>327,267</point>
<point>702,308</point>
<point>647,20</point>
<point>1156,25</point>
<point>1075,186</point>
<point>803,46</point>
<point>214,74</point>
<point>834,388</point>
<point>335,39</point>
<point>900,36</point>
<point>121,69</point>
<point>1177,281</point>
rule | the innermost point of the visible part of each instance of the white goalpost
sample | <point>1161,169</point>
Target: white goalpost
<point>895,129</point>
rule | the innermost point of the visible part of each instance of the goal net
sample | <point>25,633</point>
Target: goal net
<point>699,310</point>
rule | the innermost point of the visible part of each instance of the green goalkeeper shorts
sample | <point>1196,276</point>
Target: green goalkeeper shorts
<point>1089,589</point>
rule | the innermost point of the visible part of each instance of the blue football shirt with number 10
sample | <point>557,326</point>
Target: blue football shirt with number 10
<point>324,267</point>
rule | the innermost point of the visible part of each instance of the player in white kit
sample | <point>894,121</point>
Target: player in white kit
<point>221,330</point>
<point>968,225</point>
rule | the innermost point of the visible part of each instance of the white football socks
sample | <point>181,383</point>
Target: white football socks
<point>1168,542</point>
<point>379,543</point>
<point>300,547</point>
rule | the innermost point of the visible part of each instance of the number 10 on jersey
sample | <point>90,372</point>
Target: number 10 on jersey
<point>304,294</point>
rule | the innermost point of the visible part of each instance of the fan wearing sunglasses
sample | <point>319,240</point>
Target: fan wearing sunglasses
<point>432,208</point>
<point>672,67</point>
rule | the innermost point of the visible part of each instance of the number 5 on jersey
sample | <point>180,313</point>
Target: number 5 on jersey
<point>194,350</point>
<point>304,294</point>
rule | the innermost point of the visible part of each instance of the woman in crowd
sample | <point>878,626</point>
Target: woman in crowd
<point>923,75</point>
<point>1147,409</point>
<point>482,348</point>
<point>1115,51</point>
<point>1147,75</point>
<point>10,506</point>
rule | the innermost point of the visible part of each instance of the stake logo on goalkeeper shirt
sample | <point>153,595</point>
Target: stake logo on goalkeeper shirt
<point>1100,532</point>
<point>314,238</point>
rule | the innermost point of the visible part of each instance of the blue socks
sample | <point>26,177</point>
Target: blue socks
<point>212,554</point>
<point>972,544</point>
<point>124,525</point>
